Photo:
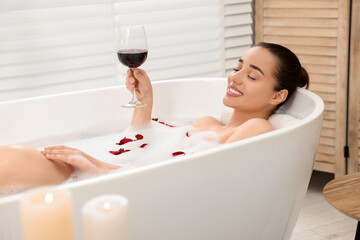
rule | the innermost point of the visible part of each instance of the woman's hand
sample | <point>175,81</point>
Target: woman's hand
<point>77,159</point>
<point>139,79</point>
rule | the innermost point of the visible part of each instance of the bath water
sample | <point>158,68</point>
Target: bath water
<point>155,143</point>
<point>152,144</point>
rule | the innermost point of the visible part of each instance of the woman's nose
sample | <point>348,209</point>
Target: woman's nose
<point>236,77</point>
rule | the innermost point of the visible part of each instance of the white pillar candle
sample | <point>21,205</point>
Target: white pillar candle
<point>47,214</point>
<point>106,217</point>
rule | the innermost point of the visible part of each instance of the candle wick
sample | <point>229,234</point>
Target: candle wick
<point>49,197</point>
<point>106,206</point>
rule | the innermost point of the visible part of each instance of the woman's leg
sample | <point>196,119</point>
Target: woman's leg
<point>23,167</point>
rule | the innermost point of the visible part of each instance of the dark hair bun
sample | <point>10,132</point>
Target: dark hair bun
<point>304,79</point>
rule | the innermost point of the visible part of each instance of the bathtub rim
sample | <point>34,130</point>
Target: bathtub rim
<point>314,114</point>
<point>154,83</point>
<point>319,104</point>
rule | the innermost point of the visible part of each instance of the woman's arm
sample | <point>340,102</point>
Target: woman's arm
<point>77,159</point>
<point>141,116</point>
<point>144,93</point>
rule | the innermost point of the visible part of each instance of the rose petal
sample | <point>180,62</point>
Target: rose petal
<point>143,145</point>
<point>121,150</point>
<point>115,152</point>
<point>177,153</point>
<point>139,136</point>
<point>157,120</point>
<point>124,140</point>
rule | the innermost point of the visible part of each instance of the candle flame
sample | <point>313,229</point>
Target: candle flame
<point>49,197</point>
<point>106,206</point>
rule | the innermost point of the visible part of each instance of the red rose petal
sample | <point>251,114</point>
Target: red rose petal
<point>143,145</point>
<point>121,150</point>
<point>114,152</point>
<point>177,153</point>
<point>157,120</point>
<point>139,136</point>
<point>124,140</point>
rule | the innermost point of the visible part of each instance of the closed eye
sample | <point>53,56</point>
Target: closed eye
<point>236,70</point>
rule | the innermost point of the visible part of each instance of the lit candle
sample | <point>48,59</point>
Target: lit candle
<point>47,214</point>
<point>106,217</point>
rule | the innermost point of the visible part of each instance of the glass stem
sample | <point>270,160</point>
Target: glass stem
<point>134,96</point>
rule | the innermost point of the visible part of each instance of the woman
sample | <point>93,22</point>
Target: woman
<point>264,78</point>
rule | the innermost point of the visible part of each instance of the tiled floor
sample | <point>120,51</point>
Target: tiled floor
<point>318,220</point>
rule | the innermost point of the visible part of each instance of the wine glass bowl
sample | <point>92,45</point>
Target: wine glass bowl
<point>132,58</point>
<point>132,52</point>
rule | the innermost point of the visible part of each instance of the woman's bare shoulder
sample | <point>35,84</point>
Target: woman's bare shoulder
<point>250,128</point>
<point>206,122</point>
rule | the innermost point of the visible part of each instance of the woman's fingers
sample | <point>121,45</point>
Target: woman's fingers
<point>130,80</point>
<point>75,158</point>
<point>141,75</point>
<point>130,85</point>
<point>58,147</point>
<point>62,153</point>
<point>59,157</point>
<point>139,80</point>
<point>57,152</point>
<point>70,156</point>
<point>135,77</point>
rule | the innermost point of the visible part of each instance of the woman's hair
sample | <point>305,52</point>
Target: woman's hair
<point>289,73</point>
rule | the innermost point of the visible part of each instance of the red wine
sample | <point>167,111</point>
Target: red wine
<point>132,58</point>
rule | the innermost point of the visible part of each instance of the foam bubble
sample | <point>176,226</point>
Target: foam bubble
<point>162,141</point>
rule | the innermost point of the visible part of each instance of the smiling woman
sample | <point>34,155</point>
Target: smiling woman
<point>267,65</point>
<point>265,77</point>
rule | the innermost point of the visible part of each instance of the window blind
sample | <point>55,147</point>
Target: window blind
<point>54,46</point>
<point>183,35</point>
<point>61,45</point>
<point>238,24</point>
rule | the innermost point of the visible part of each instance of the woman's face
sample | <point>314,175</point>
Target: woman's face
<point>251,86</point>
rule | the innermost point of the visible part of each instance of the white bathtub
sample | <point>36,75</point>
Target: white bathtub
<point>252,189</point>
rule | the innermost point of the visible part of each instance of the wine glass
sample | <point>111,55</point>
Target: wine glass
<point>132,51</point>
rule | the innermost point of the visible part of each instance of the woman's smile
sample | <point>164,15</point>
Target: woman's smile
<point>234,92</point>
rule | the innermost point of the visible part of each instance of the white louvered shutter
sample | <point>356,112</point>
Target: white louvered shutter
<point>238,23</point>
<point>61,45</point>
<point>54,46</point>
<point>183,35</point>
